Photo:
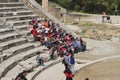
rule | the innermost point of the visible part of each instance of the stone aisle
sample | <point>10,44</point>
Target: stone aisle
<point>55,72</point>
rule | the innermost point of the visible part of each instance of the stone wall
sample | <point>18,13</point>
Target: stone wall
<point>62,14</point>
<point>58,12</point>
<point>9,0</point>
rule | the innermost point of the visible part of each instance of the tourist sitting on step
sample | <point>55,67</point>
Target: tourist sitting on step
<point>40,24</point>
<point>42,40</point>
<point>30,26</point>
<point>22,76</point>
<point>48,43</point>
<point>75,45</point>
<point>79,45</point>
<point>34,21</point>
<point>52,52</point>
<point>83,46</point>
<point>34,33</point>
<point>39,59</point>
<point>45,23</point>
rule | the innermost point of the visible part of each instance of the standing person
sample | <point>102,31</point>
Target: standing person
<point>66,61</point>
<point>68,74</point>
<point>22,76</point>
<point>103,16</point>
<point>108,18</point>
<point>72,62</point>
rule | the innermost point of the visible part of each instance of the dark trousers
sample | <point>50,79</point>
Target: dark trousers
<point>40,61</point>
<point>66,66</point>
<point>68,78</point>
<point>75,49</point>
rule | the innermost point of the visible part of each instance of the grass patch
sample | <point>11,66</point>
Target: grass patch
<point>90,25</point>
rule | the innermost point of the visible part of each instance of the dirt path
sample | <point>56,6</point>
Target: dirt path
<point>98,49</point>
<point>105,70</point>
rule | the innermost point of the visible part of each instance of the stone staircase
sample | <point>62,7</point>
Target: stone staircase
<point>15,47</point>
<point>14,33</point>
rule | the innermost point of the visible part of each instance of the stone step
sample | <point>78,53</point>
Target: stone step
<point>21,27</point>
<point>23,22</point>
<point>28,64</point>
<point>21,17</point>
<point>17,49</point>
<point>79,61</point>
<point>11,4</point>
<point>12,13</point>
<point>39,69</point>
<point>6,31</point>
<point>19,8</point>
<point>12,36</point>
<point>55,72</point>
<point>13,43</point>
<point>8,37</point>
<point>8,64</point>
<point>6,1</point>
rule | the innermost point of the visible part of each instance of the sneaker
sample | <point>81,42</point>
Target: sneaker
<point>42,65</point>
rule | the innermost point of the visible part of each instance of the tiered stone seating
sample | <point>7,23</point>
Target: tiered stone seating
<point>16,47</point>
<point>14,19</point>
<point>29,63</point>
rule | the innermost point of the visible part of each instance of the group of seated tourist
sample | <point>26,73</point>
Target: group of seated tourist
<point>55,38</point>
<point>58,41</point>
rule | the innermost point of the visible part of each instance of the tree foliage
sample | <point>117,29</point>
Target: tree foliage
<point>90,6</point>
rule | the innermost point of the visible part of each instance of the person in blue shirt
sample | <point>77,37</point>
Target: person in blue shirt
<point>75,45</point>
<point>72,63</point>
<point>39,59</point>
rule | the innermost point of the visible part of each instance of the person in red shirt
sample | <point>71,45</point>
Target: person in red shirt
<point>34,33</point>
<point>68,74</point>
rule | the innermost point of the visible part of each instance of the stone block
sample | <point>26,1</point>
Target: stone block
<point>45,57</point>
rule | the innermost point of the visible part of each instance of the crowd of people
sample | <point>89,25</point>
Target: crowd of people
<point>58,41</point>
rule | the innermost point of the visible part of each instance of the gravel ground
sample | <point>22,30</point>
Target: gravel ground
<point>105,70</point>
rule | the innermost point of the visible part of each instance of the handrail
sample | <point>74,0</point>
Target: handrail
<point>38,8</point>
